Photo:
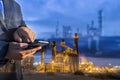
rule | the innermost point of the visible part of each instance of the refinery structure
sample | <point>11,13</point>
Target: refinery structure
<point>65,61</point>
<point>70,60</point>
<point>67,51</point>
<point>93,32</point>
<point>67,58</point>
<point>91,29</point>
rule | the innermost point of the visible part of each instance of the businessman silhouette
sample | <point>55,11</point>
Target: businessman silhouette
<point>14,36</point>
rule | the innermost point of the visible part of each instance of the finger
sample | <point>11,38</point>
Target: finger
<point>33,36</point>
<point>28,54</point>
<point>25,52</point>
<point>26,37</point>
<point>23,45</point>
<point>28,40</point>
<point>23,35</point>
<point>19,46</point>
<point>28,34</point>
<point>17,37</point>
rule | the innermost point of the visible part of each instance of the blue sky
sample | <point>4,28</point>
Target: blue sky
<point>42,15</point>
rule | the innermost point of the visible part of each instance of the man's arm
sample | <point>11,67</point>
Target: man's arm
<point>3,50</point>
<point>14,51</point>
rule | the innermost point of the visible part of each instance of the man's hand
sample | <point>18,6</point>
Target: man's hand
<point>16,51</point>
<point>24,34</point>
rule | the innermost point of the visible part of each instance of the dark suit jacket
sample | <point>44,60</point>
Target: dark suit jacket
<point>13,19</point>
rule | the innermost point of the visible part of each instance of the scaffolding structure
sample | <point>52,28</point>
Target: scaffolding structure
<point>67,32</point>
<point>65,61</point>
<point>57,30</point>
<point>94,33</point>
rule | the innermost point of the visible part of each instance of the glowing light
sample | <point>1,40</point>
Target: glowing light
<point>36,63</point>
<point>52,62</point>
<point>109,64</point>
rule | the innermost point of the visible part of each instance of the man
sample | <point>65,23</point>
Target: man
<point>14,35</point>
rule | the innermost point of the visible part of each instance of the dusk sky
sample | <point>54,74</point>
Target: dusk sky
<point>42,15</point>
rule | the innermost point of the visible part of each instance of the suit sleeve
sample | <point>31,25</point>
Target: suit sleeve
<point>3,50</point>
<point>19,13</point>
<point>17,21</point>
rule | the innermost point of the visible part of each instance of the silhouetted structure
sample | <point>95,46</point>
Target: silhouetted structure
<point>100,21</point>
<point>42,56</point>
<point>94,33</point>
<point>78,31</point>
<point>53,50</point>
<point>67,32</point>
<point>63,45</point>
<point>76,37</point>
<point>57,30</point>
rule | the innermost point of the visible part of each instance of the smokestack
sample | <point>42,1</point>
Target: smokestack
<point>53,50</point>
<point>57,29</point>
<point>63,45</point>
<point>42,56</point>
<point>100,26</point>
<point>76,59</point>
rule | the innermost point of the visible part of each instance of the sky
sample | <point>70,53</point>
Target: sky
<point>42,15</point>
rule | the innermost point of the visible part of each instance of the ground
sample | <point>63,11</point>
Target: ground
<point>57,76</point>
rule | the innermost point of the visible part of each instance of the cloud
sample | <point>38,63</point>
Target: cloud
<point>111,10</point>
<point>42,9</point>
<point>34,9</point>
<point>77,13</point>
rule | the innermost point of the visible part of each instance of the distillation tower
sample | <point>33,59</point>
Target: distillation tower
<point>94,33</point>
